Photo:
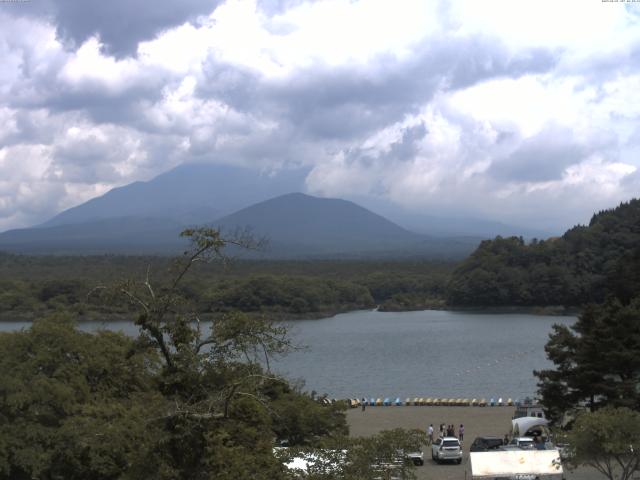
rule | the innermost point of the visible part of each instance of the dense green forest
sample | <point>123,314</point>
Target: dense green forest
<point>584,265</point>
<point>34,285</point>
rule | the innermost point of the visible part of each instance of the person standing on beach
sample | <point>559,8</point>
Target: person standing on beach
<point>441,430</point>
<point>430,434</point>
<point>364,403</point>
<point>461,432</point>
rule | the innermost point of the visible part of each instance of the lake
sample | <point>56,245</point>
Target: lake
<point>421,354</point>
<point>410,354</point>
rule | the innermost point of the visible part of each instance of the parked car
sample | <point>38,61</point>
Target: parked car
<point>484,444</point>
<point>445,449</point>
<point>520,443</point>
<point>521,476</point>
<point>416,457</point>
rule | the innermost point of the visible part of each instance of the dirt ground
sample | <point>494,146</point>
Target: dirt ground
<point>477,421</point>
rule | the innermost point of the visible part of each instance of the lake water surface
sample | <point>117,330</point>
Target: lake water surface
<point>424,354</point>
<point>408,354</point>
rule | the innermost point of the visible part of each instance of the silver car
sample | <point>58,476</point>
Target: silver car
<point>446,449</point>
<point>524,443</point>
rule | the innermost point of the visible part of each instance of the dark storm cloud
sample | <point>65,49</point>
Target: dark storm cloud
<point>43,88</point>
<point>347,103</point>
<point>125,107</point>
<point>96,102</point>
<point>121,24</point>
<point>544,157</point>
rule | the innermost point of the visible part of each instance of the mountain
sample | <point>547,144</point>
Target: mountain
<point>301,225</point>
<point>200,193</point>
<point>125,235</point>
<point>466,226</point>
<point>296,225</point>
<point>435,223</point>
<point>143,217</point>
<point>188,194</point>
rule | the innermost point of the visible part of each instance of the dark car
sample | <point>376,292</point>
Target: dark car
<point>484,444</point>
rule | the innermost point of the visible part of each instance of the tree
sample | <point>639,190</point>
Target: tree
<point>584,265</point>
<point>379,456</point>
<point>174,403</point>
<point>383,455</point>
<point>71,402</point>
<point>597,360</point>
<point>607,440</point>
<point>221,420</point>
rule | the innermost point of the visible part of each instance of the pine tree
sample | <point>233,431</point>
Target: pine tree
<point>597,360</point>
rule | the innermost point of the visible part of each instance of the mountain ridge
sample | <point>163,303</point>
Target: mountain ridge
<point>198,193</point>
<point>184,190</point>
<point>298,226</point>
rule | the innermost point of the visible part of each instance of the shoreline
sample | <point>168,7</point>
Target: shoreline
<point>550,311</point>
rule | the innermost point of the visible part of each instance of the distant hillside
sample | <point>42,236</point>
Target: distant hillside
<point>300,225</point>
<point>297,226</point>
<point>124,235</point>
<point>303,222</point>
<point>188,194</point>
<point>582,266</point>
<point>200,193</point>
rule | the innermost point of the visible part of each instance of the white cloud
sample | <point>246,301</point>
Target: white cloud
<point>582,27</point>
<point>89,66</point>
<point>417,102</point>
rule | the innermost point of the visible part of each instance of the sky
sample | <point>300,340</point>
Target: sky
<point>526,112</point>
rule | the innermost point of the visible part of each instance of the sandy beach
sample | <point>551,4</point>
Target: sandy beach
<point>477,421</point>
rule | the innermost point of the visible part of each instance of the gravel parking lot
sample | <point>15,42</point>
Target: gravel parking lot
<point>477,421</point>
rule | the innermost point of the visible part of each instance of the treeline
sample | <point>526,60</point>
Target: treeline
<point>31,286</point>
<point>585,265</point>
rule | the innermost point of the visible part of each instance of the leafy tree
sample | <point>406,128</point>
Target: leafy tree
<point>71,402</point>
<point>379,456</point>
<point>384,454</point>
<point>175,403</point>
<point>299,418</point>
<point>220,421</point>
<point>607,440</point>
<point>597,360</point>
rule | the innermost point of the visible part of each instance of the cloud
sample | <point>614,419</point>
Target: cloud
<point>428,105</point>
<point>93,154</point>
<point>543,157</point>
<point>444,163</point>
<point>119,24</point>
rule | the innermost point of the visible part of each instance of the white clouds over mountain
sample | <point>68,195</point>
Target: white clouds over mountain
<point>518,111</point>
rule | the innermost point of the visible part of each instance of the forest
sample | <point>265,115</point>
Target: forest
<point>34,285</point>
<point>585,265</point>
